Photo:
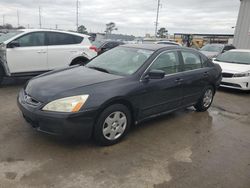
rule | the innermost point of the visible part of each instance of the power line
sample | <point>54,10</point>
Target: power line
<point>3,20</point>
<point>77,14</point>
<point>18,24</point>
<point>157,17</point>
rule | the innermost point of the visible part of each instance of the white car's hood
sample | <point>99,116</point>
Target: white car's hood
<point>233,67</point>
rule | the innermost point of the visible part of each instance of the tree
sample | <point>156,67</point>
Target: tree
<point>82,29</point>
<point>20,27</point>
<point>8,26</point>
<point>162,32</point>
<point>110,27</point>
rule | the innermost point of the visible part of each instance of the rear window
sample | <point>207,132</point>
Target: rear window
<point>63,38</point>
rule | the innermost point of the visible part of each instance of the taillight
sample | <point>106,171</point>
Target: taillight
<point>93,48</point>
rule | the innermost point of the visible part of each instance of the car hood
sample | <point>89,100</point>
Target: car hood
<point>58,84</point>
<point>233,67</point>
<point>210,54</point>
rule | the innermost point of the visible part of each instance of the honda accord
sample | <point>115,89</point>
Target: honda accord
<point>117,89</point>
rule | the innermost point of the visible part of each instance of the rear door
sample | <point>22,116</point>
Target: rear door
<point>163,94</point>
<point>62,48</point>
<point>196,77</point>
<point>30,56</point>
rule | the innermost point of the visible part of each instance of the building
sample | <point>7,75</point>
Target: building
<point>242,29</point>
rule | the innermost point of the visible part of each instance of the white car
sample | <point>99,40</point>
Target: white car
<point>30,52</point>
<point>235,66</point>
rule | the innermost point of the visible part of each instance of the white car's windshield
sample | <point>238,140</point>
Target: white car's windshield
<point>9,35</point>
<point>212,48</point>
<point>235,57</point>
<point>121,60</point>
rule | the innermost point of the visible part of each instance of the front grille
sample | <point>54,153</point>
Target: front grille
<point>230,84</point>
<point>227,75</point>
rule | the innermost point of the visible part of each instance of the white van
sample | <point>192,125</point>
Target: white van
<point>30,52</point>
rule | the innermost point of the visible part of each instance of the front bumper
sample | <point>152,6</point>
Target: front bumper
<point>241,83</point>
<point>61,124</point>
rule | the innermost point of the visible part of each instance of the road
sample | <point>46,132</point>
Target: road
<point>183,149</point>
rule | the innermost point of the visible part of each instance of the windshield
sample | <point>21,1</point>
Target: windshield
<point>212,48</point>
<point>9,35</point>
<point>235,57</point>
<point>120,60</point>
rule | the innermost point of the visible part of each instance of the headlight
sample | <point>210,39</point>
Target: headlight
<point>69,104</point>
<point>243,74</point>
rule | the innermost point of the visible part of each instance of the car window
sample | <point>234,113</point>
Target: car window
<point>32,39</point>
<point>62,38</point>
<point>111,45</point>
<point>228,48</point>
<point>121,60</point>
<point>191,60</point>
<point>167,62</point>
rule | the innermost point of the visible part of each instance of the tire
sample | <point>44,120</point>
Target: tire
<point>206,99</point>
<point>1,74</point>
<point>112,125</point>
<point>79,61</point>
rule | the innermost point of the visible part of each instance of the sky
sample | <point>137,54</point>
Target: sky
<point>133,17</point>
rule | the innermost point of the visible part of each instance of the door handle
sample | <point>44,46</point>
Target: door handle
<point>205,74</point>
<point>41,52</point>
<point>179,80</point>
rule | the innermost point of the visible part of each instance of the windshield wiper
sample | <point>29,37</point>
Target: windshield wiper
<point>99,69</point>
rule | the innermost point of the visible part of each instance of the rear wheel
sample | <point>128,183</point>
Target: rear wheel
<point>79,61</point>
<point>112,125</point>
<point>206,100</point>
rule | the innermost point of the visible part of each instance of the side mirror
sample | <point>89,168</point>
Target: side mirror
<point>155,74</point>
<point>13,44</point>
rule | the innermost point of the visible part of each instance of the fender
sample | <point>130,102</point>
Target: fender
<point>79,55</point>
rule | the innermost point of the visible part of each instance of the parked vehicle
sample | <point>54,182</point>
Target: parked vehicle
<point>125,85</point>
<point>168,43</point>
<point>235,66</point>
<point>103,46</point>
<point>30,52</point>
<point>213,50</point>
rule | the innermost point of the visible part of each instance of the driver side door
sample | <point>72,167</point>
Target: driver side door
<point>162,95</point>
<point>30,55</point>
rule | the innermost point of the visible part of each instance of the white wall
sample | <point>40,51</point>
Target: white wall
<point>242,30</point>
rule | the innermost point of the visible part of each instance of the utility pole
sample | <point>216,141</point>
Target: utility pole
<point>40,19</point>
<point>157,17</point>
<point>56,26</point>
<point>18,19</point>
<point>3,20</point>
<point>77,14</point>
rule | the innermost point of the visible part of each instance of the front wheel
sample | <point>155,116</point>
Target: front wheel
<point>206,100</point>
<point>112,125</point>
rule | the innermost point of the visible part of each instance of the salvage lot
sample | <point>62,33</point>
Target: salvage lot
<point>182,149</point>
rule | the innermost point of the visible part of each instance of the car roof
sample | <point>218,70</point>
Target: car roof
<point>153,47</point>
<point>53,30</point>
<point>217,44</point>
<point>240,50</point>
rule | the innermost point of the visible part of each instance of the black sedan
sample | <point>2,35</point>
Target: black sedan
<point>117,89</point>
<point>103,46</point>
